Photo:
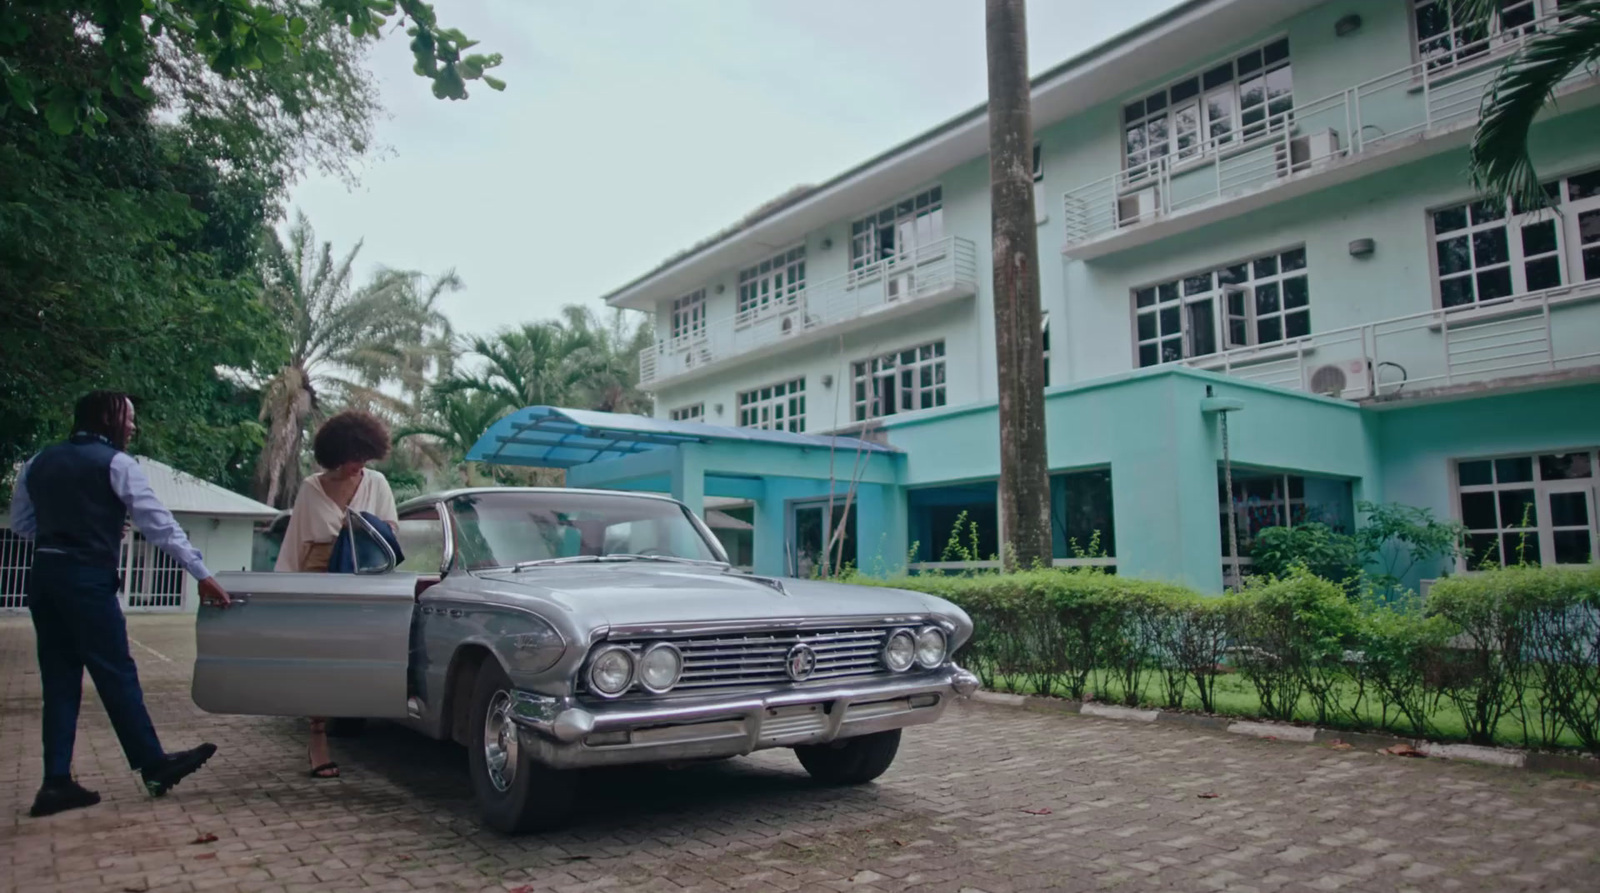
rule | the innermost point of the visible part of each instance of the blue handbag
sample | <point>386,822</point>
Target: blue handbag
<point>345,558</point>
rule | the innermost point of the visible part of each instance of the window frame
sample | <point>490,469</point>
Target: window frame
<point>793,401</point>
<point>784,275</point>
<point>1543,526</point>
<point>866,230</point>
<point>1218,294</point>
<point>689,412</point>
<point>1496,35</point>
<point>869,408</point>
<point>687,317</point>
<point>1207,142</point>
<point>1565,212</point>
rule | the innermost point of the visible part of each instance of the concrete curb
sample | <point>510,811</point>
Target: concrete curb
<point>1503,757</point>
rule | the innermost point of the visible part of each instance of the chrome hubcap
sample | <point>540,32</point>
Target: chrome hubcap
<point>500,743</point>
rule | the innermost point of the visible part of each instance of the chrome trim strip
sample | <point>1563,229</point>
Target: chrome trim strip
<point>772,624</point>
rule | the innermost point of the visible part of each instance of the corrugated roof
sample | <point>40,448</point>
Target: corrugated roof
<point>552,437</point>
<point>186,494</point>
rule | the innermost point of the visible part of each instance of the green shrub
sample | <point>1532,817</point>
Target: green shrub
<point>1505,649</point>
<point>1322,550</point>
<point>1290,635</point>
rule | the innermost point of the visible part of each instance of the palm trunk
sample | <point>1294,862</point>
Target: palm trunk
<point>1019,352</point>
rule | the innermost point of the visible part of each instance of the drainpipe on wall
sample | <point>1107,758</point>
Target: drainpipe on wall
<point>1222,406</point>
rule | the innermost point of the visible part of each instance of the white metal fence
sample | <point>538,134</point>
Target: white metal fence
<point>151,580</point>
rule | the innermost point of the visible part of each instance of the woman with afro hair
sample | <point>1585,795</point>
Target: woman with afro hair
<point>342,446</point>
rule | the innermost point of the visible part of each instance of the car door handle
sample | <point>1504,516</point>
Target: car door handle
<point>455,612</point>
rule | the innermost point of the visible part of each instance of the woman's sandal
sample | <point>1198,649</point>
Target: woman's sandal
<point>329,769</point>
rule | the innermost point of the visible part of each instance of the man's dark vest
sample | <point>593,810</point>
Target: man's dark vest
<point>74,506</point>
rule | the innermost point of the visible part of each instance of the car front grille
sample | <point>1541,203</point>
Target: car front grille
<point>751,659</point>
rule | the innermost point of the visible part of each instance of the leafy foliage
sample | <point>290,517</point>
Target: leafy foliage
<point>139,47</point>
<point>1516,649</point>
<point>1499,159</point>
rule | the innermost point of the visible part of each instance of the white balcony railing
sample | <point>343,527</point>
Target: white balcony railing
<point>946,268</point>
<point>1551,331</point>
<point>1417,101</point>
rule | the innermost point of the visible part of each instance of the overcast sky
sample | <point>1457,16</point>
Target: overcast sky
<point>632,129</point>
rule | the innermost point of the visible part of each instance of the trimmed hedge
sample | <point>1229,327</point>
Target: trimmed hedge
<point>1507,655</point>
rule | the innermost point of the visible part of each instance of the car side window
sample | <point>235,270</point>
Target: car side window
<point>421,536</point>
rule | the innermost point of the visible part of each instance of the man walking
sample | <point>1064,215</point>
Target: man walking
<point>73,499</point>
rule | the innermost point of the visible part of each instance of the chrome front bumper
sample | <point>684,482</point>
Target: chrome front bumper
<point>561,733</point>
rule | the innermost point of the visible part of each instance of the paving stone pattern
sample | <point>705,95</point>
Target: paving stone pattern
<point>993,799</point>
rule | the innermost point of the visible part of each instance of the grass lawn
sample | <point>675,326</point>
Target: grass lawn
<point>1235,696</point>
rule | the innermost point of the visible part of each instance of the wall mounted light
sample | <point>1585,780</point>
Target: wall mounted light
<point>721,288</point>
<point>826,244</point>
<point>1347,25</point>
<point>1362,248</point>
<point>827,381</point>
<point>717,407</point>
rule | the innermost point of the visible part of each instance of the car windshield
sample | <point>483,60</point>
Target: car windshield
<point>511,529</point>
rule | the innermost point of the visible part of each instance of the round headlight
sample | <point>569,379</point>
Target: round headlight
<point>900,651</point>
<point>930,647</point>
<point>659,668</point>
<point>611,671</point>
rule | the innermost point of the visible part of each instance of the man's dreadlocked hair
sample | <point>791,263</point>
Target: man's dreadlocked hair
<point>104,413</point>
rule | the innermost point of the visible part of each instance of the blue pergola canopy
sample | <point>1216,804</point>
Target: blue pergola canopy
<point>551,437</point>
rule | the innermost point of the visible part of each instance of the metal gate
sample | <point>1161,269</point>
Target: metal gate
<point>151,580</point>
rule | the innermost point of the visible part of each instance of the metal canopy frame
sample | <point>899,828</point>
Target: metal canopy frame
<point>553,437</point>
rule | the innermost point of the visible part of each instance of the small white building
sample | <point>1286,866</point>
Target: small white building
<point>220,523</point>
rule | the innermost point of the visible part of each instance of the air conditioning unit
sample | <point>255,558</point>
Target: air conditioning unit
<point>901,286</point>
<point>1345,381</point>
<point>1307,152</point>
<point>1137,206</point>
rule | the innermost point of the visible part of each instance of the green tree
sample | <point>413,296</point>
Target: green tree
<point>452,424</point>
<point>1499,159</point>
<point>345,342</point>
<point>141,47</point>
<point>608,358</point>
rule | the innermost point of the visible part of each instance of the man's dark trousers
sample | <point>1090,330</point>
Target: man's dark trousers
<point>79,625</point>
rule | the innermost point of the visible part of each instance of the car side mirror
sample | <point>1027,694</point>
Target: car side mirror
<point>372,552</point>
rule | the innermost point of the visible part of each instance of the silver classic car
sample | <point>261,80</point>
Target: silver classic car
<point>549,630</point>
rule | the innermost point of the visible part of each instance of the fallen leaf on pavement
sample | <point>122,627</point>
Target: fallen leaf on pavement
<point>206,856</point>
<point>205,838</point>
<point>1043,810</point>
<point>1208,796</point>
<point>1402,750</point>
<point>899,843</point>
<point>404,857</point>
<point>525,888</point>
<point>1341,745</point>
<point>1269,737</point>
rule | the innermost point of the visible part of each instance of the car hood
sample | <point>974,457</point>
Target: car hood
<point>644,594</point>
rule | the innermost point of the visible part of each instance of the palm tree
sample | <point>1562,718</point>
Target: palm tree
<point>344,342</point>
<point>1499,160</point>
<point>453,423</point>
<point>610,361</point>
<point>534,364</point>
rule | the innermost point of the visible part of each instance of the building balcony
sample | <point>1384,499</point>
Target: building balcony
<point>1524,340</point>
<point>1391,120</point>
<point>925,276</point>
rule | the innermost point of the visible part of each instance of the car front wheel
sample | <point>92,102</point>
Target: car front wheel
<point>515,794</point>
<point>852,760</point>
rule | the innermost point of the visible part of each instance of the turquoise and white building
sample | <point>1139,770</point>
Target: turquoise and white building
<point>1251,211</point>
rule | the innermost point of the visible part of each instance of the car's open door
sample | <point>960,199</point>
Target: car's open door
<point>318,644</point>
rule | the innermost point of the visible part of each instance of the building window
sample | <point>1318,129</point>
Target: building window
<point>1529,509</point>
<point>777,407</point>
<point>1081,518</point>
<point>1482,253</point>
<point>775,282</point>
<point>901,381</point>
<point>954,527</point>
<point>1262,301</point>
<point>1241,98</point>
<point>689,315</point>
<point>898,229</point>
<point>1447,36</point>
<point>1263,500</point>
<point>691,413</point>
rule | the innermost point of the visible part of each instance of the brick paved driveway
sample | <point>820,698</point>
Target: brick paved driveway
<point>1124,812</point>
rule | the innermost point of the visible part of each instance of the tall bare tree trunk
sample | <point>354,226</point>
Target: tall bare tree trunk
<point>1019,349</point>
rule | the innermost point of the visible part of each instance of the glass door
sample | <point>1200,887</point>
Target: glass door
<point>809,548</point>
<point>1570,508</point>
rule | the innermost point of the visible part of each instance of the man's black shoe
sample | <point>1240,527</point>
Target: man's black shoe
<point>173,768</point>
<point>60,796</point>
